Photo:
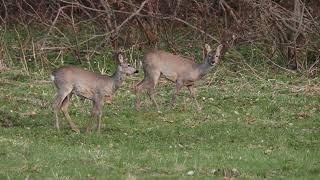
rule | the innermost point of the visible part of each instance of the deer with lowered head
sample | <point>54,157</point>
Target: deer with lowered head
<point>98,88</point>
<point>180,70</point>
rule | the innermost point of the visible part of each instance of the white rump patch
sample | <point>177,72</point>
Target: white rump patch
<point>52,77</point>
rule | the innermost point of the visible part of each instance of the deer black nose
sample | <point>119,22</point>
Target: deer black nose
<point>136,71</point>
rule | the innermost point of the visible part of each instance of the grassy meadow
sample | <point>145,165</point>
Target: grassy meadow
<point>254,124</point>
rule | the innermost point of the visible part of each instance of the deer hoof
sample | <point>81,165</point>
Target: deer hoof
<point>88,130</point>
<point>76,130</point>
<point>173,104</point>
<point>138,108</point>
<point>56,127</point>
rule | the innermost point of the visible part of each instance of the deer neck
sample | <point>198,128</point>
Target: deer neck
<point>204,68</point>
<point>118,78</point>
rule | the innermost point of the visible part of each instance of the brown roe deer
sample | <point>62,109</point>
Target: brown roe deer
<point>95,87</point>
<point>181,71</point>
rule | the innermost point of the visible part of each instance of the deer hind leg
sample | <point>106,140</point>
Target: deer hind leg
<point>194,97</point>
<point>138,90</point>
<point>147,84</point>
<point>60,97</point>
<point>64,109</point>
<point>56,107</point>
<point>152,82</point>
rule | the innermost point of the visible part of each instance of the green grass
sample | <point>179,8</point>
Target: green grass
<point>261,125</point>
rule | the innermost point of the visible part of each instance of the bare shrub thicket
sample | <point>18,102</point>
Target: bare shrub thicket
<point>286,30</point>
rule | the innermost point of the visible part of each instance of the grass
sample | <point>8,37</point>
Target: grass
<point>252,126</point>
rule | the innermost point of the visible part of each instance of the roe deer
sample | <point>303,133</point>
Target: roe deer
<point>181,71</point>
<point>95,87</point>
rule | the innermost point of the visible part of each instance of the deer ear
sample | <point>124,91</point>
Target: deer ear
<point>218,53</point>
<point>121,50</point>
<point>208,48</point>
<point>219,48</point>
<point>120,58</point>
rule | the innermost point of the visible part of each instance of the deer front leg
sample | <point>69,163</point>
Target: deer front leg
<point>96,114</point>
<point>98,117</point>
<point>179,85</point>
<point>90,122</point>
<point>193,95</point>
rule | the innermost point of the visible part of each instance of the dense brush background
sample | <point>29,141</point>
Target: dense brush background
<point>39,34</point>
<point>260,104</point>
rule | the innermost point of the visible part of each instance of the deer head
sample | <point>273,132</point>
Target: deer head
<point>212,56</point>
<point>124,66</point>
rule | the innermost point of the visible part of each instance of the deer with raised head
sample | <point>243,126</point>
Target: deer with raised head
<point>95,87</point>
<point>180,70</point>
